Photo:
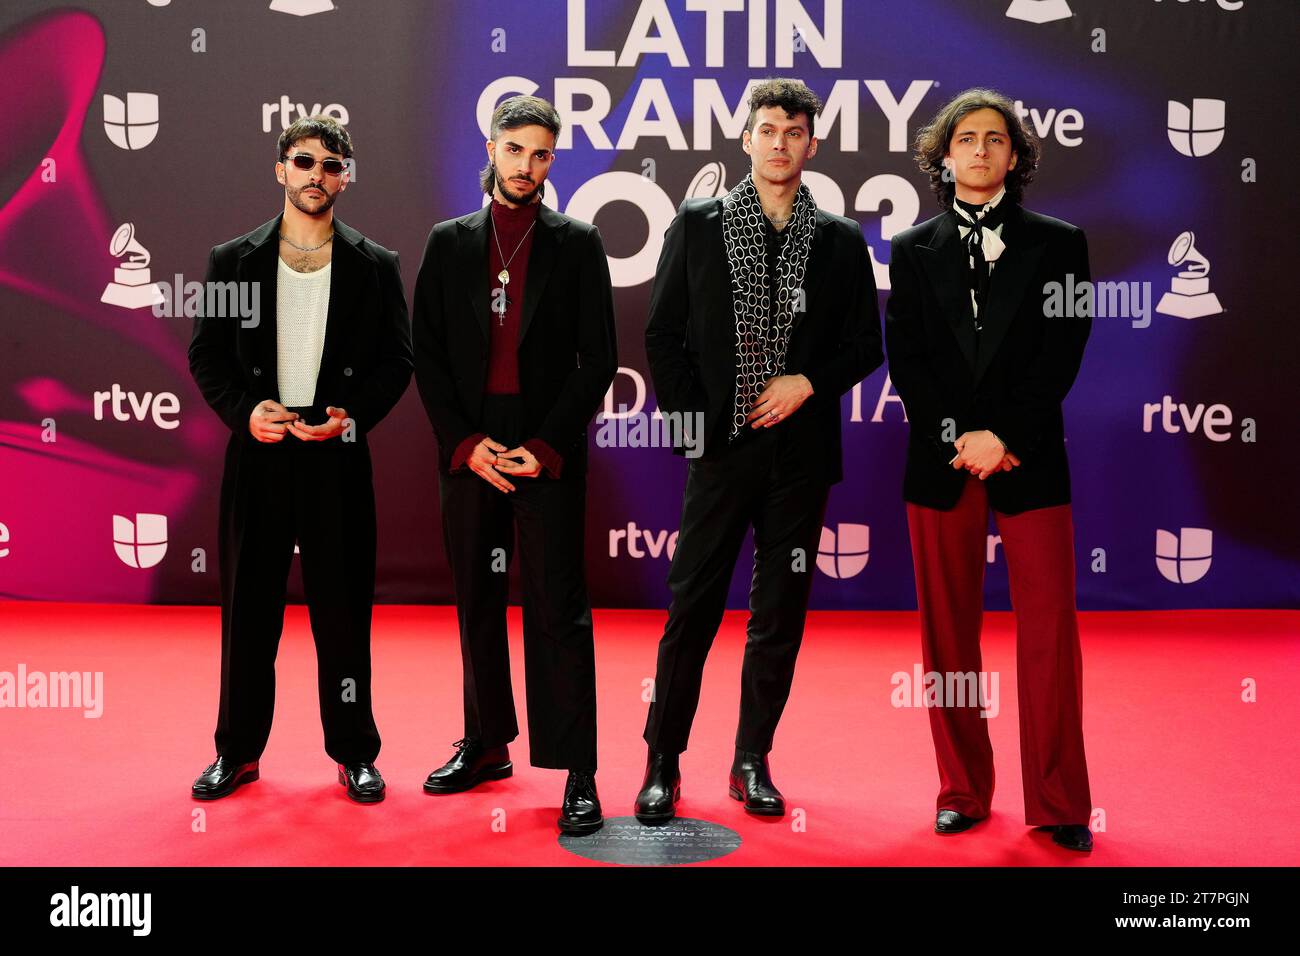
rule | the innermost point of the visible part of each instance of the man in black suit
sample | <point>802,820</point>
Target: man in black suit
<point>514,351</point>
<point>982,363</point>
<point>763,314</point>
<point>327,358</point>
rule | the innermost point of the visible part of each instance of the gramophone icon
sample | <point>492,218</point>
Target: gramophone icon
<point>1039,11</point>
<point>1190,296</point>
<point>130,288</point>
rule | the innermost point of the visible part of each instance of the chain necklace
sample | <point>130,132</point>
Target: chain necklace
<point>504,275</point>
<point>306,248</point>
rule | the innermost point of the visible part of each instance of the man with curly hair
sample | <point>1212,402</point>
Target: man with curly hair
<point>982,370</point>
<point>763,313</point>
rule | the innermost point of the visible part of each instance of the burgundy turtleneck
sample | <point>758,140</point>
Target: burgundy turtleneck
<point>509,239</point>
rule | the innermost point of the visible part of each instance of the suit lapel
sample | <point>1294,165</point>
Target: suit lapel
<point>1007,286</point>
<point>347,274</point>
<point>473,256</point>
<point>260,263</point>
<point>944,263</point>
<point>547,236</point>
<point>815,273</point>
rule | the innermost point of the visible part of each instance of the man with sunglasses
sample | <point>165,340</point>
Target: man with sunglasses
<point>300,390</point>
<point>514,350</point>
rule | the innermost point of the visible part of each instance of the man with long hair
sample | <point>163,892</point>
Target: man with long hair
<point>982,370</point>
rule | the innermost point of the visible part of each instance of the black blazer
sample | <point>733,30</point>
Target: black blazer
<point>567,343</point>
<point>690,338</point>
<point>366,363</point>
<point>1010,379</point>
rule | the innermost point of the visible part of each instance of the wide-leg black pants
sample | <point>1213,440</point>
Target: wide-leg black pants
<point>768,481</point>
<point>479,524</point>
<point>321,495</point>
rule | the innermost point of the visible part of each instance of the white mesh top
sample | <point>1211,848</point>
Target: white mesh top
<point>302,301</point>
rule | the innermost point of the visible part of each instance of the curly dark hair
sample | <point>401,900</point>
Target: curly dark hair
<point>327,129</point>
<point>791,95</point>
<point>932,143</point>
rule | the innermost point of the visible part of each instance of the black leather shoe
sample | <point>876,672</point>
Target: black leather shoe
<point>1072,836</point>
<point>751,781</point>
<point>580,812</point>
<point>363,781</point>
<point>222,778</point>
<point>469,767</point>
<point>660,790</point>
<point>950,821</point>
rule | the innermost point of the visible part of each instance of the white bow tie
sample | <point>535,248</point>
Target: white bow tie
<point>990,241</point>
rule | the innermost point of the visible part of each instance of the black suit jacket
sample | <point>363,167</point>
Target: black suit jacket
<point>690,338</point>
<point>1010,379</point>
<point>366,363</point>
<point>568,351</point>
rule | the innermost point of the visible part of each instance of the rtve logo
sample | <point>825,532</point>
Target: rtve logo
<point>286,111</point>
<point>1214,421</point>
<point>1197,130</point>
<point>656,544</point>
<point>1185,558</point>
<point>149,404</point>
<point>843,553</point>
<point>140,543</point>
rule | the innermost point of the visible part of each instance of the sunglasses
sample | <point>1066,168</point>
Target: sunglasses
<point>329,166</point>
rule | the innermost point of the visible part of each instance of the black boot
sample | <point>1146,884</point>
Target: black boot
<point>580,812</point>
<point>469,766</point>
<point>661,789</point>
<point>751,781</point>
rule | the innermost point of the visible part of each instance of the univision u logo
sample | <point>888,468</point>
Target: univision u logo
<point>1185,558</point>
<point>140,543</point>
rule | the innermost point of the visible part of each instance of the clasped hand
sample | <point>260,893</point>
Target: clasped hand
<point>982,454</point>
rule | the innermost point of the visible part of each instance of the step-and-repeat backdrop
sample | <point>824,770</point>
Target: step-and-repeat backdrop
<point>138,133</point>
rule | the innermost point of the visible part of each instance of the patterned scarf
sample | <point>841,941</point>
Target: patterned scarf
<point>762,331</point>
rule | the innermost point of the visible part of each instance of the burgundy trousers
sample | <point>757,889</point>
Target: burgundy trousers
<point>948,554</point>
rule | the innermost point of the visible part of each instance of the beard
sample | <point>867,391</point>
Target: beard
<point>519,199</point>
<point>312,207</point>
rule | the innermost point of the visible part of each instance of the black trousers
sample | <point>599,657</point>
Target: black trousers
<point>765,481</point>
<point>321,495</point>
<point>479,524</point>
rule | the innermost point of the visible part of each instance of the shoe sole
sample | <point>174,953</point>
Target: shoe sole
<point>662,815</point>
<point>757,811</point>
<point>360,797</point>
<point>578,829</point>
<point>239,782</point>
<point>492,773</point>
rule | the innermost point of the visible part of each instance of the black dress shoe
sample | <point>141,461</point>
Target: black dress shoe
<point>469,767</point>
<point>222,778</point>
<point>580,812</point>
<point>363,781</point>
<point>950,821</point>
<point>660,790</point>
<point>751,781</point>
<point>1072,836</point>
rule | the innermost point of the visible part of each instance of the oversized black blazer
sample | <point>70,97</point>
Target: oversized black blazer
<point>1010,378</point>
<point>690,336</point>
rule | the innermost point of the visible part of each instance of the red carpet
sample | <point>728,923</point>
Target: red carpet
<point>1186,772</point>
